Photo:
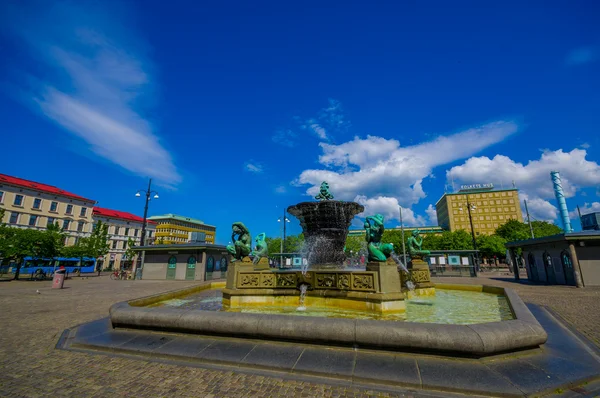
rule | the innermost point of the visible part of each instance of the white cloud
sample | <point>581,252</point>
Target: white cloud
<point>533,179</point>
<point>281,189</point>
<point>95,84</point>
<point>432,215</point>
<point>390,209</point>
<point>319,131</point>
<point>581,56</point>
<point>585,209</point>
<point>376,166</point>
<point>254,167</point>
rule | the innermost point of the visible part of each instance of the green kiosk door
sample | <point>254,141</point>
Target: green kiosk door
<point>172,267</point>
<point>190,271</point>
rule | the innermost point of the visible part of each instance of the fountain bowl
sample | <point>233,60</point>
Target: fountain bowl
<point>325,227</point>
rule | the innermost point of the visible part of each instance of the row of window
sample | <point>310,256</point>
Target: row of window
<point>485,195</point>
<point>487,218</point>
<point>487,203</point>
<point>488,210</point>
<point>37,205</point>
<point>35,221</point>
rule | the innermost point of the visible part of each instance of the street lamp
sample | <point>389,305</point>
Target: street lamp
<point>472,207</point>
<point>282,231</point>
<point>148,193</point>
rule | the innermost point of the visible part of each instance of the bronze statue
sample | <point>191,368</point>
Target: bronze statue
<point>415,241</point>
<point>240,247</point>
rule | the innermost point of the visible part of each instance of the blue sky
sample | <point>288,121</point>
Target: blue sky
<point>238,110</point>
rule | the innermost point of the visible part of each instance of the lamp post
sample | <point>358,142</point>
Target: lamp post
<point>148,193</point>
<point>471,207</point>
<point>282,220</point>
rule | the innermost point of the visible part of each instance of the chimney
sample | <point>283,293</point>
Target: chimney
<point>562,203</point>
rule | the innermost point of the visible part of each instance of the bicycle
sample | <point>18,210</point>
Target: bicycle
<point>118,275</point>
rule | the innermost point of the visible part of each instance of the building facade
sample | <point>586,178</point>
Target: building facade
<point>34,205</point>
<point>591,222</point>
<point>122,227</point>
<point>190,261</point>
<point>174,229</point>
<point>489,209</point>
<point>564,259</point>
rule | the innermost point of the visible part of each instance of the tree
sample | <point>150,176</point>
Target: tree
<point>94,246</point>
<point>491,245</point>
<point>355,244</point>
<point>514,230</point>
<point>129,252</point>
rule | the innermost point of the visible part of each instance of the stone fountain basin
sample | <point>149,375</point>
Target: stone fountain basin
<point>477,340</point>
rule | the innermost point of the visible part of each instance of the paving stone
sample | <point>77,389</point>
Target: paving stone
<point>146,342</point>
<point>322,361</point>
<point>184,346</point>
<point>226,351</point>
<point>386,368</point>
<point>456,375</point>
<point>98,326</point>
<point>110,339</point>
<point>525,376</point>
<point>281,357</point>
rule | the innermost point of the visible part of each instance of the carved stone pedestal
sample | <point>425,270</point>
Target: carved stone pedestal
<point>234,267</point>
<point>388,277</point>
<point>263,264</point>
<point>420,275</point>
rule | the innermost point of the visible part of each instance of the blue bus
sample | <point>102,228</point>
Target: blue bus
<point>49,265</point>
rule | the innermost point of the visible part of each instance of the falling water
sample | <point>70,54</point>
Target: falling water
<point>303,288</point>
<point>399,262</point>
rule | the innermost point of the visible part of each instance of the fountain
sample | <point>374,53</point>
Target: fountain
<point>323,282</point>
<point>327,304</point>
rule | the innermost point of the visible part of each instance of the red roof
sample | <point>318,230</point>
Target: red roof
<point>6,179</point>
<point>101,211</point>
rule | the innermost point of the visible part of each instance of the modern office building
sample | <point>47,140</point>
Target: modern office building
<point>490,208</point>
<point>590,221</point>
<point>174,229</point>
<point>122,227</point>
<point>30,204</point>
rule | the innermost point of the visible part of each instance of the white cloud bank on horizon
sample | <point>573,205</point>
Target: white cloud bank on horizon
<point>533,179</point>
<point>95,83</point>
<point>381,175</point>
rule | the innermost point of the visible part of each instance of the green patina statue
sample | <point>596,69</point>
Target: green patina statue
<point>241,246</point>
<point>261,250</point>
<point>324,192</point>
<point>415,241</point>
<point>374,231</point>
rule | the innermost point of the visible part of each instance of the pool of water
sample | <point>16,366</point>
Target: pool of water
<point>447,307</point>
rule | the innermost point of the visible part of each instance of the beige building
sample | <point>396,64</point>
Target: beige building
<point>489,209</point>
<point>122,227</point>
<point>30,204</point>
<point>174,229</point>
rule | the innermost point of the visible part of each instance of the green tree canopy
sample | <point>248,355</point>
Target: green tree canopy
<point>491,245</point>
<point>515,230</point>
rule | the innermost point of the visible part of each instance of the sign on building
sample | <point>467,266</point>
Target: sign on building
<point>476,186</point>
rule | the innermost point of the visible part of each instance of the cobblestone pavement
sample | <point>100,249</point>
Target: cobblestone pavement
<point>579,307</point>
<point>30,366</point>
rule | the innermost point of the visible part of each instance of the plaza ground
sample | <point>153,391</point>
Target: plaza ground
<point>32,322</point>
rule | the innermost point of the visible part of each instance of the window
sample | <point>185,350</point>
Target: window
<point>18,200</point>
<point>114,244</point>
<point>83,212</point>
<point>1,196</point>
<point>69,209</point>
<point>126,231</point>
<point>135,232</point>
<point>51,221</point>
<point>80,226</point>
<point>54,206</point>
<point>32,220</point>
<point>37,203</point>
<point>14,217</point>
<point>66,224</point>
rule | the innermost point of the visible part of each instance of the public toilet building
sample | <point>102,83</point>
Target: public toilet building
<point>565,259</point>
<point>190,261</point>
